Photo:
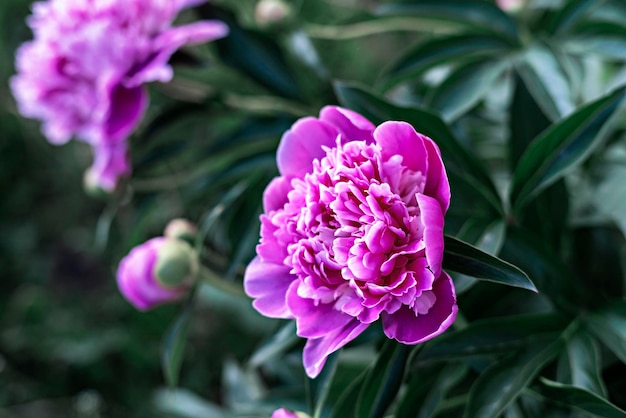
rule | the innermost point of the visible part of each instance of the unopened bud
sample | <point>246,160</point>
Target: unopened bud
<point>271,12</point>
<point>181,229</point>
<point>510,5</point>
<point>177,264</point>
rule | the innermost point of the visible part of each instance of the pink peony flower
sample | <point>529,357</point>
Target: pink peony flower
<point>353,232</point>
<point>83,73</point>
<point>159,271</point>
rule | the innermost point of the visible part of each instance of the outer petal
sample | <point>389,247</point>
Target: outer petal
<point>275,194</point>
<point>125,110</point>
<point>313,319</point>
<point>168,42</point>
<point>110,163</point>
<point>409,328</point>
<point>437,184</point>
<point>432,219</point>
<point>399,138</point>
<point>303,143</point>
<point>317,350</point>
<point>350,124</point>
<point>267,283</point>
<point>284,413</point>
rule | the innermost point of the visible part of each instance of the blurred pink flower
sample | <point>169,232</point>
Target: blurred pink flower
<point>284,413</point>
<point>161,270</point>
<point>353,232</point>
<point>83,73</point>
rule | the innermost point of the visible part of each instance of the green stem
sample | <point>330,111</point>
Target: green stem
<point>209,277</point>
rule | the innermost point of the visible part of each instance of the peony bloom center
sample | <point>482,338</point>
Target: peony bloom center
<point>353,233</point>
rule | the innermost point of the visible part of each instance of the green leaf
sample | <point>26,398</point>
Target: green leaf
<point>479,15</point>
<point>580,399</point>
<point>561,147</point>
<point>255,53</point>
<point>383,381</point>
<point>546,81</point>
<point>345,407</point>
<point>318,388</point>
<point>607,325</point>
<point>491,336</point>
<point>580,364</point>
<point>437,51</point>
<point>465,86</point>
<point>456,158</point>
<point>502,382</point>
<point>600,38</point>
<point>567,16</point>
<point>283,340</point>
<point>464,258</point>
<point>425,392</point>
<point>174,345</point>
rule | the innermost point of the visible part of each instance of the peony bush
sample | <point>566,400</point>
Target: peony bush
<point>336,209</point>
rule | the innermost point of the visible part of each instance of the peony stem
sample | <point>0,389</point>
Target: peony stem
<point>212,279</point>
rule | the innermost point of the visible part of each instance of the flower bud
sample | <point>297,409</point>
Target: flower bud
<point>177,264</point>
<point>181,229</point>
<point>510,5</point>
<point>271,12</point>
<point>161,270</point>
<point>285,413</point>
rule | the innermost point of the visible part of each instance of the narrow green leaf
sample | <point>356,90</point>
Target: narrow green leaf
<point>562,146</point>
<point>456,158</point>
<point>580,364</point>
<point>174,345</point>
<point>464,258</point>
<point>607,324</point>
<point>504,380</point>
<point>580,399</point>
<point>383,381</point>
<point>424,393</point>
<point>465,86</point>
<point>437,51</point>
<point>284,339</point>
<point>567,16</point>
<point>490,336</point>
<point>476,14</point>
<point>601,38</point>
<point>345,407</point>
<point>546,81</point>
<point>318,388</point>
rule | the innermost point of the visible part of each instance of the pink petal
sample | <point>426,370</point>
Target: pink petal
<point>301,144</point>
<point>437,184</point>
<point>275,194</point>
<point>267,283</point>
<point>168,42</point>
<point>314,319</point>
<point>408,328</point>
<point>351,125</point>
<point>317,350</point>
<point>110,164</point>
<point>432,219</point>
<point>399,138</point>
<point>126,107</point>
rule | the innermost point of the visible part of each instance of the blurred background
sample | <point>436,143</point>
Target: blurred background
<point>70,346</point>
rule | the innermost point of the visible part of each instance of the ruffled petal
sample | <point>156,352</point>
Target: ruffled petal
<point>399,138</point>
<point>437,184</point>
<point>317,350</point>
<point>267,283</point>
<point>432,219</point>
<point>303,143</point>
<point>408,328</point>
<point>351,125</point>
<point>109,165</point>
